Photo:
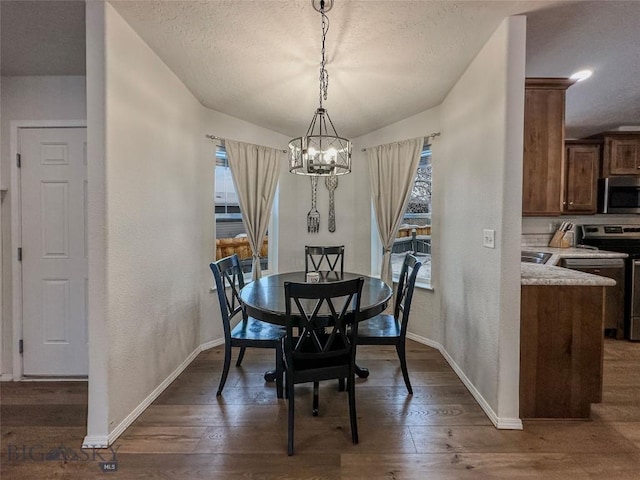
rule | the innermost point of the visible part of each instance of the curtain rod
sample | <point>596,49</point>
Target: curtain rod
<point>431,135</point>
<point>214,137</point>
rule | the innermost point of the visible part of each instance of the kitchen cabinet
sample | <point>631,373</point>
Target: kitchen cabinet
<point>614,296</point>
<point>581,166</point>
<point>561,350</point>
<point>543,173</point>
<point>621,154</point>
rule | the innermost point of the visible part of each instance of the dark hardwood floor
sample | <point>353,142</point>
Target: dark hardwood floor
<point>438,433</point>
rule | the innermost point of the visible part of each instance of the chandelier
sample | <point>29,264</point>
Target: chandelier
<point>321,152</point>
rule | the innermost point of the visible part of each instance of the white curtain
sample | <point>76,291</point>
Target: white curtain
<point>393,170</point>
<point>255,171</point>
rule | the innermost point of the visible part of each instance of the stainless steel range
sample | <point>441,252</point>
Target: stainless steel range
<point>624,239</point>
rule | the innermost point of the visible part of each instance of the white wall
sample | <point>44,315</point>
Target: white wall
<point>45,98</point>
<point>151,222</point>
<point>98,418</point>
<point>353,223</point>
<point>156,181</point>
<point>478,185</point>
<point>425,308</point>
<point>473,311</point>
<point>224,126</point>
<point>352,201</point>
<point>148,180</point>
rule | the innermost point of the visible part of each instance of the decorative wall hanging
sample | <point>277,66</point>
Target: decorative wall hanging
<point>313,217</point>
<point>331,182</point>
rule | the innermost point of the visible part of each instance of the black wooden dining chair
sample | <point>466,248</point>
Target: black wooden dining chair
<point>324,318</point>
<point>326,259</point>
<point>385,329</point>
<point>248,332</point>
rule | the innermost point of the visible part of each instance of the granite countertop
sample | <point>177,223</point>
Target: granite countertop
<point>550,274</point>
<point>536,274</point>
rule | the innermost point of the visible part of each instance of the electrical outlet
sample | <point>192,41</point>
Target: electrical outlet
<point>489,238</point>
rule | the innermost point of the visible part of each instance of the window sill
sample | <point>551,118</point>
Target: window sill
<point>424,286</point>
<point>420,285</point>
<point>247,279</point>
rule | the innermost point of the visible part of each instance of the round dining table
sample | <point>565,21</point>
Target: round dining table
<point>264,298</point>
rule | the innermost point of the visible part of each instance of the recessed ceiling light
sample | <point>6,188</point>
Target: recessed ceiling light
<point>581,75</point>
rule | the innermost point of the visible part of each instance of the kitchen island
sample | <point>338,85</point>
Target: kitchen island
<point>561,341</point>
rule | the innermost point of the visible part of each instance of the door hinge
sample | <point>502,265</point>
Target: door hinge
<point>19,160</point>
<point>19,254</point>
<point>20,346</point>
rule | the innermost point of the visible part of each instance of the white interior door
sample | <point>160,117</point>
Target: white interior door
<point>53,186</point>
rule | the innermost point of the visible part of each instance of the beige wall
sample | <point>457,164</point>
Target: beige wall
<point>224,126</point>
<point>473,310</point>
<point>156,181</point>
<point>151,228</point>
<point>478,186</point>
<point>425,309</point>
<point>353,223</point>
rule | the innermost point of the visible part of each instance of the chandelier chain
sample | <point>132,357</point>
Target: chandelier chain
<point>324,75</point>
<point>321,152</point>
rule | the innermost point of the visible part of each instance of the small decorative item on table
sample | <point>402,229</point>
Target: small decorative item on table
<point>313,277</point>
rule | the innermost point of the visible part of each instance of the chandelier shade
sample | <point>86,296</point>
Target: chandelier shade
<point>321,152</point>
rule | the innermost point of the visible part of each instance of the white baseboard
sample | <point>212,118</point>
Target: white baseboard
<point>95,441</point>
<point>509,424</point>
<point>8,377</point>
<point>501,423</point>
<point>102,441</point>
<point>425,341</point>
<point>211,344</point>
<point>54,379</point>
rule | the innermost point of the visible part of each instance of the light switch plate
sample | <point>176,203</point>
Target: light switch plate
<point>489,238</point>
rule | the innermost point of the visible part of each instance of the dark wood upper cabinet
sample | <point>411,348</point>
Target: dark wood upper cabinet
<point>543,172</point>
<point>582,159</point>
<point>621,155</point>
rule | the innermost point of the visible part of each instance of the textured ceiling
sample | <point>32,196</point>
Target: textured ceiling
<point>258,60</point>
<point>603,36</point>
<point>42,38</point>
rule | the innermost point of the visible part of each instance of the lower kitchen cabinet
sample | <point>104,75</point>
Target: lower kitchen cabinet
<point>614,296</point>
<point>561,350</point>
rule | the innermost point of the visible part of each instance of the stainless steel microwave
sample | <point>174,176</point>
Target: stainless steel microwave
<point>619,195</point>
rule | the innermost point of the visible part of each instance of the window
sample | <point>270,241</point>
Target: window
<point>419,207</point>
<point>415,231</point>
<point>230,233</point>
